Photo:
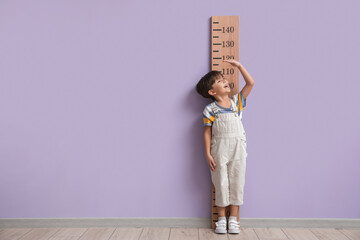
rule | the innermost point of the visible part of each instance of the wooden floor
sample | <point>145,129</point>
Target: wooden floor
<point>177,234</point>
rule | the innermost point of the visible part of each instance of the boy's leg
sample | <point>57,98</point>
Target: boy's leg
<point>235,211</point>
<point>221,211</point>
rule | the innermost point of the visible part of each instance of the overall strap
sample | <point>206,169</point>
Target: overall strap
<point>234,107</point>
<point>215,109</point>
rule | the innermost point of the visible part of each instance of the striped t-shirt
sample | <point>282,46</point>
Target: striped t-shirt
<point>237,105</point>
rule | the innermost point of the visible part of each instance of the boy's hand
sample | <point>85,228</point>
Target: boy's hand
<point>211,162</point>
<point>233,62</point>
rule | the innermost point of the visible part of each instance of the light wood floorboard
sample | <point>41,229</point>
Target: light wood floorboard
<point>177,234</point>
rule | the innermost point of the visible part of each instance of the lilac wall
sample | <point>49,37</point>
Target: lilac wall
<point>99,116</point>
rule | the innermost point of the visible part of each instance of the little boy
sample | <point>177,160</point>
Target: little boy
<point>225,142</point>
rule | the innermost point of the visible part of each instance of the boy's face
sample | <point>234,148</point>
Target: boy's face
<point>220,87</point>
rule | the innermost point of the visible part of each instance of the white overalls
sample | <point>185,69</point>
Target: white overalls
<point>228,148</point>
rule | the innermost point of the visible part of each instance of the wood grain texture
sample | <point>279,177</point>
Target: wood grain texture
<point>353,234</point>
<point>13,233</point>
<point>184,234</point>
<point>68,234</point>
<point>178,233</point>
<point>37,233</point>
<point>209,234</point>
<point>155,233</point>
<point>97,234</point>
<point>328,234</point>
<point>299,234</point>
<point>245,234</point>
<point>270,233</point>
<point>127,233</point>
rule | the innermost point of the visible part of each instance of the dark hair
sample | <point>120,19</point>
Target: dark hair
<point>206,82</point>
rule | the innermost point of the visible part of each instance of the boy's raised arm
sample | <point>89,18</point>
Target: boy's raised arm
<point>248,79</point>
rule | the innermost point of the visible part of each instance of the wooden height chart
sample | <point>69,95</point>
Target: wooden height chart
<point>224,46</point>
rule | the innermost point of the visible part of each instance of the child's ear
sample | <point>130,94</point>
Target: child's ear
<point>211,92</point>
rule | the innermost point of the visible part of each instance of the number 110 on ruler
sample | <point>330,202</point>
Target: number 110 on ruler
<point>225,46</point>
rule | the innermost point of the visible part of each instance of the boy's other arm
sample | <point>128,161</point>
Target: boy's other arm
<point>207,139</point>
<point>248,79</point>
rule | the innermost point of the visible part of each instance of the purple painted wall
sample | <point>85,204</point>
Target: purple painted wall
<point>99,116</point>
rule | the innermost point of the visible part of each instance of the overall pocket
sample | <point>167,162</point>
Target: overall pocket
<point>244,143</point>
<point>243,140</point>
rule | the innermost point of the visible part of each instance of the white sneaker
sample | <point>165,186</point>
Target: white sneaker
<point>234,226</point>
<point>220,226</point>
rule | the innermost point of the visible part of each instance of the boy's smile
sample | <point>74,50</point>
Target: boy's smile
<point>220,88</point>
